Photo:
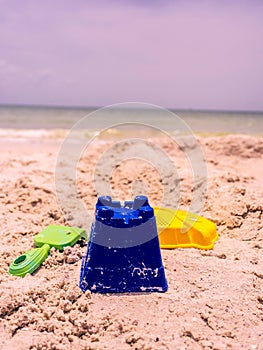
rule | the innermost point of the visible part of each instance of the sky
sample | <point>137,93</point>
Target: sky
<point>175,54</point>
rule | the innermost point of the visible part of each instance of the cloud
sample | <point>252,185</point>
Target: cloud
<point>184,54</point>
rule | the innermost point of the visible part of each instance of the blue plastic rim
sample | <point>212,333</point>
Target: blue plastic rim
<point>123,253</point>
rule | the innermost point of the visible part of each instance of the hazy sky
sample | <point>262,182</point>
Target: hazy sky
<point>181,54</point>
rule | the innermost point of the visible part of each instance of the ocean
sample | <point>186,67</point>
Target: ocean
<point>204,122</point>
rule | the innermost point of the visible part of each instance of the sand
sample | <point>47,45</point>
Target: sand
<point>215,298</point>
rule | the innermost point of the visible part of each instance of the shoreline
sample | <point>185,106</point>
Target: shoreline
<point>111,134</point>
<point>65,118</point>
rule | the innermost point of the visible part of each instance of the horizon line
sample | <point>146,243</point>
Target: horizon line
<point>59,106</point>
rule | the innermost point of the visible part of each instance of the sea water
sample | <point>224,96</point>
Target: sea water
<point>207,122</point>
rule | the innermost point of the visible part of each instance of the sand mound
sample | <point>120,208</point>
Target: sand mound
<point>215,298</point>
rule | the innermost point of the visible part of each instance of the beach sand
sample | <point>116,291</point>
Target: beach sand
<point>215,298</point>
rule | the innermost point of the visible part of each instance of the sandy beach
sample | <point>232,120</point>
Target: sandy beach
<point>215,297</point>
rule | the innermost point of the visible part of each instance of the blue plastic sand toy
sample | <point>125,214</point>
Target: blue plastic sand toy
<point>123,252</point>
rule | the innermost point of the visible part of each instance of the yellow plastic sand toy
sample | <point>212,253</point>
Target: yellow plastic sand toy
<point>181,229</point>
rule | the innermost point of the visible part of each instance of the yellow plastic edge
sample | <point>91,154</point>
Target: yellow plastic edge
<point>202,228</point>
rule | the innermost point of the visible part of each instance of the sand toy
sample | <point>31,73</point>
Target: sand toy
<point>123,253</point>
<point>52,236</point>
<point>136,220</point>
<point>181,229</point>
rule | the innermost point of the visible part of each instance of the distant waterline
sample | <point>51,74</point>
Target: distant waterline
<point>34,117</point>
